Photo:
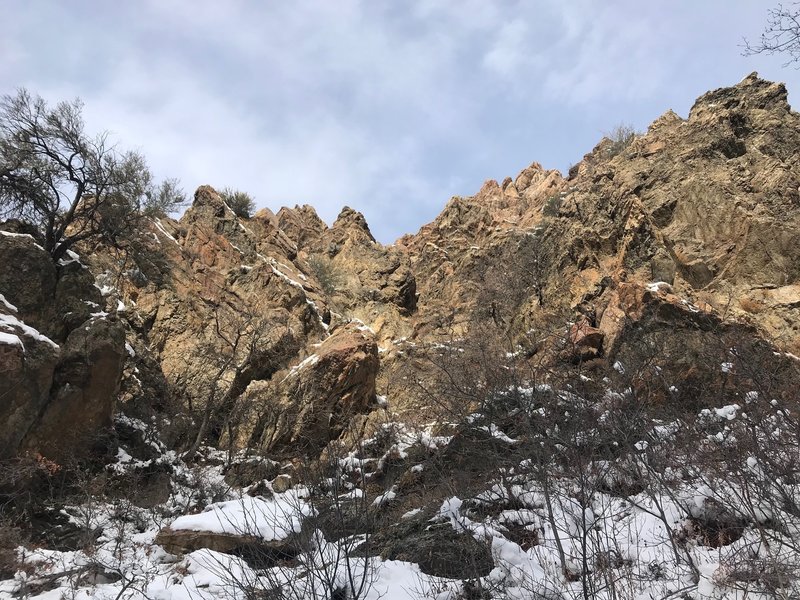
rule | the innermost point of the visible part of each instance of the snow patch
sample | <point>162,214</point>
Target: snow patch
<point>7,304</point>
<point>10,322</point>
<point>271,520</point>
<point>9,339</point>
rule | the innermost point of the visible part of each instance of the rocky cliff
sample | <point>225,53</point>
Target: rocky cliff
<point>699,214</point>
<point>534,339</point>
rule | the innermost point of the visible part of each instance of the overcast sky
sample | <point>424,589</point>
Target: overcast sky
<point>390,107</point>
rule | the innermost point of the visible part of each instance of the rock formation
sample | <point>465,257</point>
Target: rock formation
<point>544,325</point>
<point>694,221</point>
<point>61,356</point>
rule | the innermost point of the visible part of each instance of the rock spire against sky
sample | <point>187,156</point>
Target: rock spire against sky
<point>388,107</point>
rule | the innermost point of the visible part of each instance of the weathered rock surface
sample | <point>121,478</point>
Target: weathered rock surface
<point>84,389</point>
<point>315,400</point>
<point>255,551</point>
<point>28,279</point>
<point>218,307</point>
<point>27,363</point>
<point>54,393</point>
<point>709,204</point>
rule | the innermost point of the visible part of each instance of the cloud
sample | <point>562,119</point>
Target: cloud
<point>388,107</point>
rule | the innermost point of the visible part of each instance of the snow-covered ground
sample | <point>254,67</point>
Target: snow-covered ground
<point>679,530</point>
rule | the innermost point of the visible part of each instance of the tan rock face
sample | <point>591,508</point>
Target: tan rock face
<point>223,277</point>
<point>585,342</point>
<point>710,204</point>
<point>316,399</point>
<point>371,282</point>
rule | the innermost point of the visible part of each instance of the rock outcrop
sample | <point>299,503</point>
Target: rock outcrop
<point>670,231</point>
<point>27,363</point>
<point>709,204</point>
<point>315,401</point>
<point>60,377</point>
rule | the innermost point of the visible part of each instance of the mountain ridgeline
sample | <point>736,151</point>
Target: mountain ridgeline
<point>659,277</point>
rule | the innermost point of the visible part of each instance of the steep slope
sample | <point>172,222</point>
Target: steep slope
<point>560,386</point>
<point>708,205</point>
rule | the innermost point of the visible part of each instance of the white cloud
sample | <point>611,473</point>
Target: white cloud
<point>388,107</point>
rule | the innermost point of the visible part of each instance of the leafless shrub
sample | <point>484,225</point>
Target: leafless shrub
<point>620,137</point>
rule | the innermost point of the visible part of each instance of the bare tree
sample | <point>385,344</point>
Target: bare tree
<point>70,184</point>
<point>222,367</point>
<point>781,35</point>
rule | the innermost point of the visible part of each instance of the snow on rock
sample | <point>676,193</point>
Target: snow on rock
<point>9,339</point>
<point>22,235</point>
<point>306,362</point>
<point>72,257</point>
<point>7,304</point>
<point>386,497</point>
<point>272,520</point>
<point>164,232</point>
<point>9,323</point>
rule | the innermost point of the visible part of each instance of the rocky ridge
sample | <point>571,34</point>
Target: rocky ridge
<point>660,265</point>
<point>708,205</point>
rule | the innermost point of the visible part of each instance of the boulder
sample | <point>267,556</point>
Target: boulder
<point>585,342</point>
<point>314,401</point>
<point>84,389</point>
<point>257,552</point>
<point>53,395</point>
<point>27,363</point>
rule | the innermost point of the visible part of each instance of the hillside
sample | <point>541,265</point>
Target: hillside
<point>565,386</point>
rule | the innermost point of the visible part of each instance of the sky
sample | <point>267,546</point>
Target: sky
<point>388,107</point>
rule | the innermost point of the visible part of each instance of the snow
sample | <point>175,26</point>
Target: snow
<point>307,362</point>
<point>9,323</point>
<point>16,235</point>
<point>727,367</point>
<point>129,349</point>
<point>637,530</point>
<point>273,519</point>
<point>72,257</point>
<point>728,412</point>
<point>495,432</point>
<point>7,304</point>
<point>361,326</point>
<point>658,286</point>
<point>385,498</point>
<point>22,235</point>
<point>9,339</point>
<point>163,231</point>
